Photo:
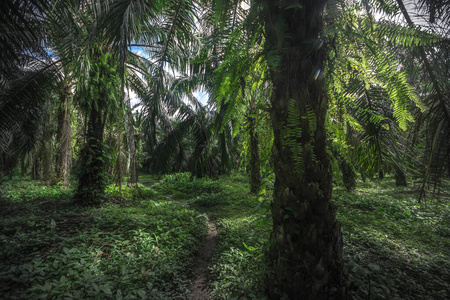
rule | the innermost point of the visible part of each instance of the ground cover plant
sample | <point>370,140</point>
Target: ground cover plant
<point>137,248</point>
<point>394,247</point>
<point>237,266</point>
<point>145,245</point>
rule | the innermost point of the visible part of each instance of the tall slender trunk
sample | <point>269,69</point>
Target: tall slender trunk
<point>132,160</point>
<point>47,172</point>
<point>36,165</point>
<point>305,253</point>
<point>255,172</point>
<point>46,149</point>
<point>119,154</point>
<point>64,138</point>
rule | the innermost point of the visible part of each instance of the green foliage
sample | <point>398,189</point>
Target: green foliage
<point>371,93</point>
<point>52,249</point>
<point>210,200</point>
<point>238,264</point>
<point>92,172</point>
<point>28,190</point>
<point>237,268</point>
<point>291,134</point>
<point>99,88</point>
<point>145,247</point>
<point>183,185</point>
<point>130,193</point>
<point>393,247</point>
<point>405,36</point>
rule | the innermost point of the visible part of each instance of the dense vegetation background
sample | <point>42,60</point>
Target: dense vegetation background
<point>312,135</point>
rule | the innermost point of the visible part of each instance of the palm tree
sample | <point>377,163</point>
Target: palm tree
<point>305,255</point>
<point>106,31</point>
<point>24,69</point>
<point>63,160</point>
<point>436,120</point>
<point>98,99</point>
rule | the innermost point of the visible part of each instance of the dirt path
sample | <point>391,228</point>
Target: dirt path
<point>200,272</point>
<point>199,288</point>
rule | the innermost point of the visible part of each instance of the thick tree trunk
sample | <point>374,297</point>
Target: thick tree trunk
<point>92,182</point>
<point>64,138</point>
<point>101,88</point>
<point>348,175</point>
<point>305,254</point>
<point>255,172</point>
<point>400,178</point>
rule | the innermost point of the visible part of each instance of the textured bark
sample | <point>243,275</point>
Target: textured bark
<point>400,178</point>
<point>64,138</point>
<point>305,254</point>
<point>255,172</point>
<point>255,169</point>
<point>92,182</point>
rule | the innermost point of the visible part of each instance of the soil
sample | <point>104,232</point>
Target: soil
<point>200,271</point>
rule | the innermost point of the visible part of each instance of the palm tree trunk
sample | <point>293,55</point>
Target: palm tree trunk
<point>47,172</point>
<point>36,166</point>
<point>131,144</point>
<point>94,175</point>
<point>255,173</point>
<point>400,178</point>
<point>348,175</point>
<point>92,182</point>
<point>305,254</point>
<point>64,138</point>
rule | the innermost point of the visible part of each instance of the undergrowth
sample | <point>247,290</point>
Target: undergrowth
<point>237,268</point>
<point>135,248</point>
<point>142,244</point>
<point>394,247</point>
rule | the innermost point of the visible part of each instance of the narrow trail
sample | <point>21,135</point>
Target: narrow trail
<point>199,286</point>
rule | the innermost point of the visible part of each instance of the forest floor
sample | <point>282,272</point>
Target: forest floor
<point>180,238</point>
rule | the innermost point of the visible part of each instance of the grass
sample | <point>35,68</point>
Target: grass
<point>145,246</point>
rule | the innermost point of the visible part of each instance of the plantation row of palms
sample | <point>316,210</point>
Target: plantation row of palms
<point>297,87</point>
